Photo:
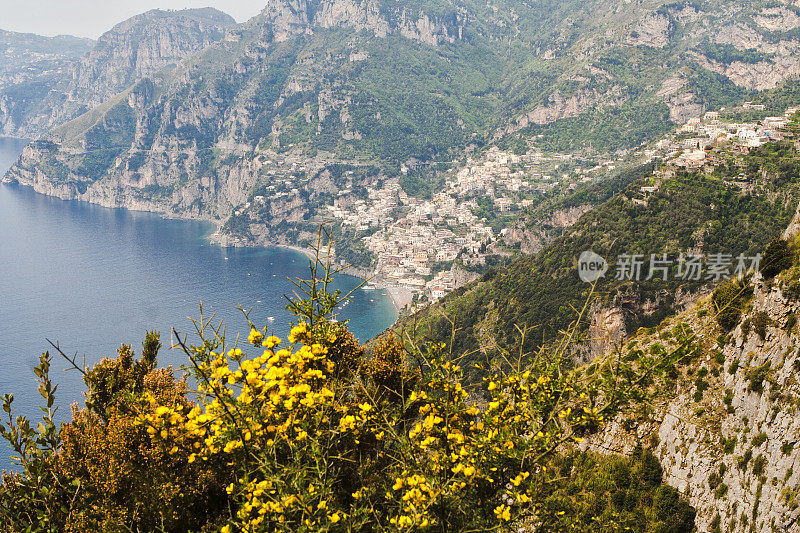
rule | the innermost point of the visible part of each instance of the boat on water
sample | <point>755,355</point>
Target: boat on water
<point>368,287</point>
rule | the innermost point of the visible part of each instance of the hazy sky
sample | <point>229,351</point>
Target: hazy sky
<point>91,18</point>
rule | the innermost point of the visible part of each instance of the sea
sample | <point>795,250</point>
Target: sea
<point>89,278</point>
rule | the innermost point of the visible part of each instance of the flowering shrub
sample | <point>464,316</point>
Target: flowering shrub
<point>322,436</point>
<point>316,433</point>
<point>102,471</point>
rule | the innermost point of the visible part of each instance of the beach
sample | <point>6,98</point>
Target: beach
<point>400,296</point>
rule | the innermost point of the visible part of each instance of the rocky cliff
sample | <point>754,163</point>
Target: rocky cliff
<point>142,46</point>
<point>727,436</point>
<point>60,87</point>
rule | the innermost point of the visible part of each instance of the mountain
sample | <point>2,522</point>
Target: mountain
<point>305,85</point>
<point>24,54</point>
<point>141,46</point>
<point>29,66</point>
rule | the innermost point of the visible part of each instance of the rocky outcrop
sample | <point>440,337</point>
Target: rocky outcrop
<point>652,30</point>
<point>778,18</point>
<point>758,76</point>
<point>728,437</point>
<point>286,18</point>
<point>142,46</point>
<point>768,56</point>
<point>682,104</point>
<point>359,15</point>
<point>559,106</point>
<point>295,17</point>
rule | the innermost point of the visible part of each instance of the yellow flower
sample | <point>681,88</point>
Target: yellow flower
<point>298,331</point>
<point>503,513</point>
<point>271,342</point>
<point>255,336</point>
<point>334,518</point>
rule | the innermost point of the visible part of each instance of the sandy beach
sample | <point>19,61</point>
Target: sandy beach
<point>305,251</point>
<point>400,296</point>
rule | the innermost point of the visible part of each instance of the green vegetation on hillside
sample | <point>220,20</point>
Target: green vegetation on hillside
<point>107,140</point>
<point>727,54</point>
<point>690,210</point>
<point>314,433</point>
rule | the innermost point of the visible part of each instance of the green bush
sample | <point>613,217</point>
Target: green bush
<point>729,445</point>
<point>791,322</point>
<point>729,300</point>
<point>758,465</point>
<point>728,399</point>
<point>757,375</point>
<point>744,459</point>
<point>792,290</point>
<point>761,321</point>
<point>777,257</point>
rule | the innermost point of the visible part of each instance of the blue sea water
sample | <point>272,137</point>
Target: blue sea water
<point>90,278</point>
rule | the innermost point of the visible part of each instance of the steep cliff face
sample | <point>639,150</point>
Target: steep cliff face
<point>728,435</point>
<point>420,22</point>
<point>758,49</point>
<point>142,46</point>
<point>139,47</point>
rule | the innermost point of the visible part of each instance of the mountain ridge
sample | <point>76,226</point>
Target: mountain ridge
<point>133,49</point>
<point>307,81</point>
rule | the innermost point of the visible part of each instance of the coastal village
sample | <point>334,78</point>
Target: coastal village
<point>424,247</point>
<point>417,251</point>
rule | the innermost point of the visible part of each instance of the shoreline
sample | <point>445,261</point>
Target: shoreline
<point>399,296</point>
